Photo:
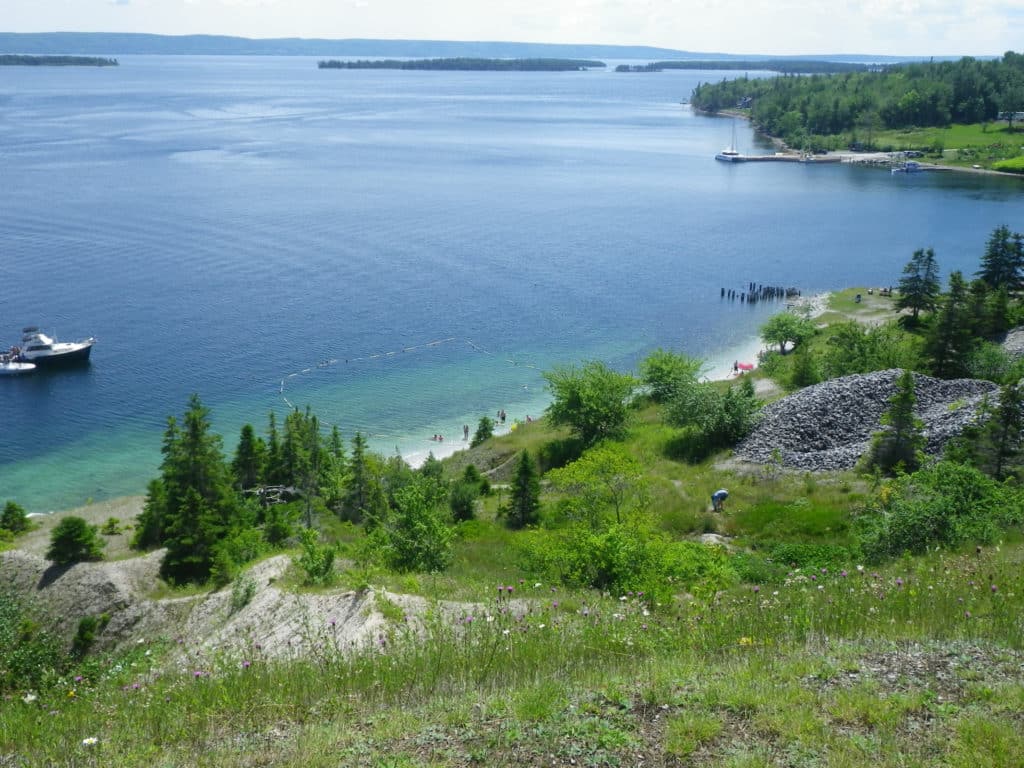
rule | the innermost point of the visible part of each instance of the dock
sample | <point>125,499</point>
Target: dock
<point>786,157</point>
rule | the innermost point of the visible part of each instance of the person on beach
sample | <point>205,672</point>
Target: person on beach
<point>465,432</point>
<point>718,500</point>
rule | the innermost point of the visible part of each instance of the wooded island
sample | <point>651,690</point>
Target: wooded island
<point>469,64</point>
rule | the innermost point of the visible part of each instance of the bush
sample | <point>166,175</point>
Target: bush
<point>73,540</point>
<point>30,656</point>
<point>462,500</point>
<point>14,518</point>
<point>629,558</point>
<point>317,560</point>
<point>665,372</point>
<point>484,431</point>
<point>944,504</point>
<point>415,536</point>
<point>88,627</point>
<point>111,527</point>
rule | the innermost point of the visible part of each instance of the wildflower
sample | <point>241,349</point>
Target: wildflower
<point>843,574</point>
<point>775,593</point>
<point>71,693</point>
<point>505,632</point>
<point>135,686</point>
<point>824,570</point>
<point>586,611</point>
<point>622,599</point>
<point>860,569</point>
<point>995,588</point>
<point>537,585</point>
<point>509,589</point>
<point>756,589</point>
<point>89,741</point>
<point>78,678</point>
<point>541,626</point>
<point>967,614</point>
<point>554,604</point>
<point>197,674</point>
<point>246,664</point>
<point>746,641</point>
<point>490,618</point>
<point>814,577</point>
<point>899,582</point>
<point>28,698</point>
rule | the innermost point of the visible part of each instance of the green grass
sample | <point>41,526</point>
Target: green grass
<point>983,144</point>
<point>845,669</point>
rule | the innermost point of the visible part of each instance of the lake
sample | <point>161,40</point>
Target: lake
<point>404,252</point>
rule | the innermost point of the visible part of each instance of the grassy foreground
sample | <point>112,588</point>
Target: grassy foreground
<point>917,664</point>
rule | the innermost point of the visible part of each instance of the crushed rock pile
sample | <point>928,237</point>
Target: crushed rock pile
<point>1013,344</point>
<point>829,426</point>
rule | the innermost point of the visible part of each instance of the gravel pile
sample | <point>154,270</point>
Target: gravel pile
<point>829,426</point>
<point>1014,342</point>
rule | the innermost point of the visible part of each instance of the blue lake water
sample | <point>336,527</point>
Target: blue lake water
<point>242,227</point>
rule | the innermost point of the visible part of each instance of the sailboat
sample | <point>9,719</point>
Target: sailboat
<point>730,155</point>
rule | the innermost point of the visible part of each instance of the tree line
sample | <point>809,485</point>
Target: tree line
<point>18,60</point>
<point>923,94</point>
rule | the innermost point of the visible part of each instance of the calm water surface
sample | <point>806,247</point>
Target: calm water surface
<point>242,227</point>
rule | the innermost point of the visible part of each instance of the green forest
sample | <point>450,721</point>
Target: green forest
<point>858,108</point>
<point>17,60</point>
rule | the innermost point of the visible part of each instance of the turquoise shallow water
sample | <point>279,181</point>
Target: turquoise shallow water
<point>223,223</point>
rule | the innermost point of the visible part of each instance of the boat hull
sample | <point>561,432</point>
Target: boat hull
<point>78,353</point>
<point>14,368</point>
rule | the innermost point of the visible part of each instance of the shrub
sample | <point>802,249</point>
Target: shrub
<point>462,500</point>
<point>415,536</point>
<point>14,518</point>
<point>73,540</point>
<point>665,372</point>
<point>317,560</point>
<point>30,655</point>
<point>242,593</point>
<point>85,636</point>
<point>946,503</point>
<point>484,431</point>
<point>111,527</point>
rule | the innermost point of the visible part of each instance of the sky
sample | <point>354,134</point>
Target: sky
<point>781,27</point>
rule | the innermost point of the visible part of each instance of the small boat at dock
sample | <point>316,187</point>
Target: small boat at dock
<point>730,154</point>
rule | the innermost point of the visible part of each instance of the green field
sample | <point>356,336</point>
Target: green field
<point>983,144</point>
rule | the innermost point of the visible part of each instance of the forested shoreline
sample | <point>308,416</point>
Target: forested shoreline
<point>17,60</point>
<point>802,110</point>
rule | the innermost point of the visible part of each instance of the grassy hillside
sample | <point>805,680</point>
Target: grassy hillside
<point>775,643</point>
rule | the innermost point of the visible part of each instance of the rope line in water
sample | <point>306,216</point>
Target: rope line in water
<point>329,362</point>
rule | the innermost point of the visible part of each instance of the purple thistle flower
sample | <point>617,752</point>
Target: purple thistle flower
<point>967,614</point>
<point>246,664</point>
<point>995,588</point>
<point>554,604</point>
<point>756,589</point>
<point>843,574</point>
<point>509,587</point>
<point>899,582</point>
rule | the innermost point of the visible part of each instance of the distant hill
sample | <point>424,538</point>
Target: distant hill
<point>108,44</point>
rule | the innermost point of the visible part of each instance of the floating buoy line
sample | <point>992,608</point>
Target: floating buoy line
<point>378,356</point>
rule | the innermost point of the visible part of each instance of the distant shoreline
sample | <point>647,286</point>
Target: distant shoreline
<point>19,60</point>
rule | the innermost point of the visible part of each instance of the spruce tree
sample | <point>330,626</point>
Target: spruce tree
<point>1000,435</point>
<point>250,457</point>
<point>14,518</point>
<point>949,342</point>
<point>899,447</point>
<point>200,505</point>
<point>919,287</point>
<point>524,506</point>
<point>1002,266</point>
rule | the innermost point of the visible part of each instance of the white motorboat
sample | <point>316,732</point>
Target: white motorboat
<point>11,366</point>
<point>41,349</point>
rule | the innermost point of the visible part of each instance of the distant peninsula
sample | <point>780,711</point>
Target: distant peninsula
<point>469,64</point>
<point>15,60</point>
<point>795,66</point>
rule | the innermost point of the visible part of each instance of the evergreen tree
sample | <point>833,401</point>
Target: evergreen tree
<point>432,467</point>
<point>524,505</point>
<point>149,525</point>
<point>275,472</point>
<point>977,309</point>
<point>1002,266</point>
<point>919,286</point>
<point>899,447</point>
<point>250,457</point>
<point>73,540</point>
<point>949,342</point>
<point>998,440</point>
<point>364,498</point>
<point>200,505</point>
<point>303,457</point>
<point>998,311</point>
<point>484,431</point>
<point>14,518</point>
